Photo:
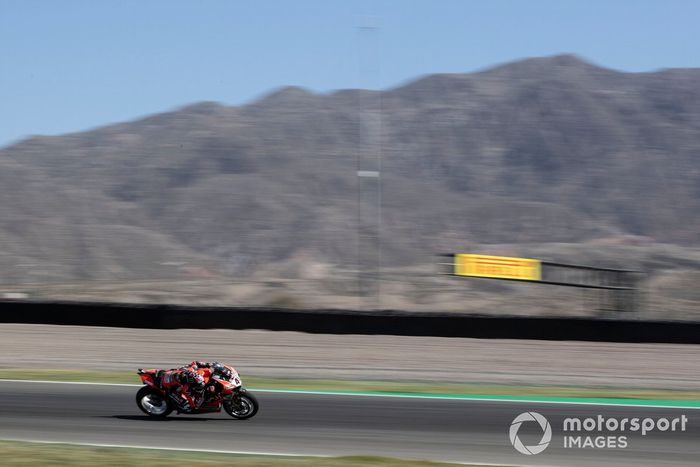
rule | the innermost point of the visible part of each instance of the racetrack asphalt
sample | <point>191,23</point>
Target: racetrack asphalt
<point>316,424</point>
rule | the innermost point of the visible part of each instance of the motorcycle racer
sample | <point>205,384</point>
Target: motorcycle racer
<point>216,368</point>
<point>187,385</point>
<point>189,382</point>
<point>205,390</point>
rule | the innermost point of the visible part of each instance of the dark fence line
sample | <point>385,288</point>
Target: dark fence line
<point>350,322</point>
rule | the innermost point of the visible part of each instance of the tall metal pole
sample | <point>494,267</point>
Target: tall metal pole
<point>369,168</point>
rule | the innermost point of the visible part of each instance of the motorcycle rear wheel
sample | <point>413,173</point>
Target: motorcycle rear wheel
<point>153,403</point>
<point>246,408</point>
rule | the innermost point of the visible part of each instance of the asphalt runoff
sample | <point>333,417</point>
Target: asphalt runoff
<point>315,424</point>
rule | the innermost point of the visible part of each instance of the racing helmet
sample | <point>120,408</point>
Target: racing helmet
<point>221,370</point>
<point>192,378</point>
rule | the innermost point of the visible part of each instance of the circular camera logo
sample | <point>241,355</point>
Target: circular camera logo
<point>546,433</point>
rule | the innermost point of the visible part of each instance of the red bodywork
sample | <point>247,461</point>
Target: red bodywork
<point>216,390</point>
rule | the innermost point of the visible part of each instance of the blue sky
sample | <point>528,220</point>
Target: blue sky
<point>72,65</point>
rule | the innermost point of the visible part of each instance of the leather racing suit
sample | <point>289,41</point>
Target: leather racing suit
<point>186,385</point>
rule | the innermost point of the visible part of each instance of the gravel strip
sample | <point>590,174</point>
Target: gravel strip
<point>299,355</point>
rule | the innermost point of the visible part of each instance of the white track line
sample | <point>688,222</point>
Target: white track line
<point>480,399</point>
<point>133,446</point>
<point>220,451</point>
<point>404,396</point>
<point>66,382</point>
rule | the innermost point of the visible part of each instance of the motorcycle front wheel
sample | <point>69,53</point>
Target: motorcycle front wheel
<point>152,403</point>
<point>242,406</point>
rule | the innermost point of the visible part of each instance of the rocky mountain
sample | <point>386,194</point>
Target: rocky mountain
<point>543,150</point>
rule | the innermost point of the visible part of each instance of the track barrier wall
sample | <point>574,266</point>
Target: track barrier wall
<point>350,322</point>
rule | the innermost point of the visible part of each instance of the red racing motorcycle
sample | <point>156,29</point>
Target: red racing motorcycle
<point>219,392</point>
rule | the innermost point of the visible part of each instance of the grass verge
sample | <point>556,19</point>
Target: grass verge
<point>17,453</point>
<point>253,382</point>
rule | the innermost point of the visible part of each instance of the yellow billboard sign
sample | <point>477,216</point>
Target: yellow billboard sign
<point>497,267</point>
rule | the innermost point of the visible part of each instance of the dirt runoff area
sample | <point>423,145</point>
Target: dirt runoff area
<point>381,358</point>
